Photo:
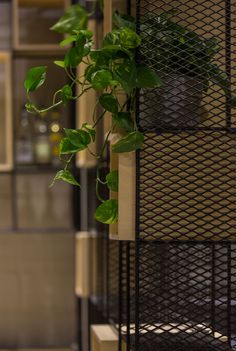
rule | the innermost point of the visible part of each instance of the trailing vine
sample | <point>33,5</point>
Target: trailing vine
<point>109,69</point>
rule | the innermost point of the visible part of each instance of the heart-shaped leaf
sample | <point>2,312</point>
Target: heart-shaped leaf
<point>126,74</point>
<point>74,19</point>
<point>107,212</point>
<point>109,102</point>
<point>68,40</point>
<point>147,78</point>
<point>66,93</point>
<point>123,120</point>
<point>90,130</point>
<point>130,142</point>
<point>35,77</point>
<point>101,79</point>
<point>66,147</point>
<point>60,63</point>
<point>78,137</point>
<point>112,180</point>
<point>66,176</point>
<point>73,57</point>
<point>129,39</point>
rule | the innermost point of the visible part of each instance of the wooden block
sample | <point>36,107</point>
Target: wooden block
<point>104,338</point>
<point>85,112</point>
<point>83,284</point>
<point>6,95</point>
<point>126,197</point>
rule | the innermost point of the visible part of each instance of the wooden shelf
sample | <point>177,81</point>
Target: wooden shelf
<point>41,3</point>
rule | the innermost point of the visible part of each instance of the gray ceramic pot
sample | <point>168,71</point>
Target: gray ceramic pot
<point>175,105</point>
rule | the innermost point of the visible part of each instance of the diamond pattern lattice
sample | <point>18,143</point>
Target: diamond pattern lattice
<point>188,186</point>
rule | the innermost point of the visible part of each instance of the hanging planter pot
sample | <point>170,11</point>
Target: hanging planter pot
<point>177,104</point>
<point>186,64</point>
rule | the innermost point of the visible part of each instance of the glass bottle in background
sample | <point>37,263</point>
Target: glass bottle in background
<point>24,144</point>
<point>42,143</point>
<point>55,135</point>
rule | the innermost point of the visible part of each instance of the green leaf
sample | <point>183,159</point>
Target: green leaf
<point>60,63</point>
<point>74,19</point>
<point>129,39</point>
<point>90,130</point>
<point>126,74</point>
<point>217,76</point>
<point>130,142</point>
<point>107,212</point>
<point>101,79</point>
<point>68,40</point>
<point>233,101</point>
<point>112,180</point>
<point>109,102</point>
<point>35,77</point>
<point>88,34</point>
<point>89,71</point>
<point>66,176</point>
<point>112,39</point>
<point>147,78</point>
<point>123,21</point>
<point>66,147</point>
<point>66,93</point>
<point>78,137</point>
<point>123,120</point>
<point>73,57</point>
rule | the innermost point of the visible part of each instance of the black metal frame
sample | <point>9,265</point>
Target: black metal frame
<point>177,292</point>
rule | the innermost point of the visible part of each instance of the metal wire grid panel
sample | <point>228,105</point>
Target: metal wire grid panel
<point>114,283</point>
<point>185,276</point>
<point>190,44</point>
<point>187,174</point>
<point>128,294</point>
<point>186,297</point>
<point>187,185</point>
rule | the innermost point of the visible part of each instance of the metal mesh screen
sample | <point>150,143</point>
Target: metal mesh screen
<point>113,281</point>
<point>188,165</point>
<point>186,297</point>
<point>188,186</point>
<point>186,178</point>
<point>186,42</point>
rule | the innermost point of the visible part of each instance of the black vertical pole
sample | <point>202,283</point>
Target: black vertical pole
<point>229,292</point>
<point>120,307</point>
<point>228,62</point>
<point>213,286</point>
<point>137,197</point>
<point>228,59</point>
<point>128,295</point>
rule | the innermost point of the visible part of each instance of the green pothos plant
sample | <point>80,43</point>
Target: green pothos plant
<point>109,69</point>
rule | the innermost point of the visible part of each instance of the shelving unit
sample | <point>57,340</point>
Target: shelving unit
<point>26,199</point>
<point>36,223</point>
<point>171,286</point>
<point>29,17</point>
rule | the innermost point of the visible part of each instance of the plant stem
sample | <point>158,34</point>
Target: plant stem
<point>97,186</point>
<point>68,162</point>
<point>98,119</point>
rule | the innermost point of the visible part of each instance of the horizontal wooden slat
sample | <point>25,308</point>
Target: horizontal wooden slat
<point>41,3</point>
